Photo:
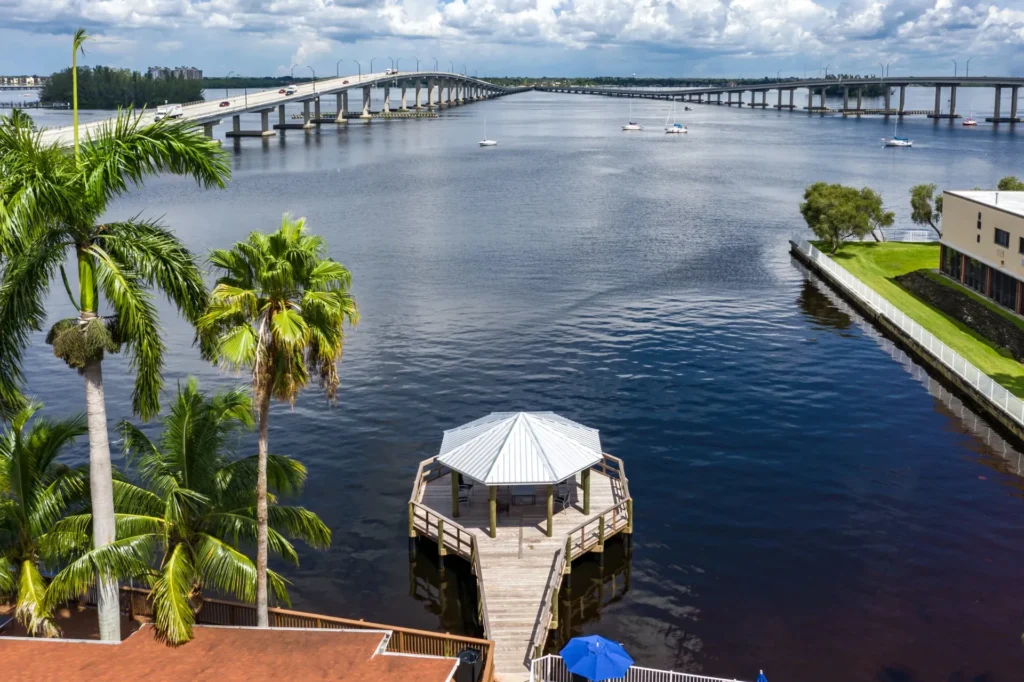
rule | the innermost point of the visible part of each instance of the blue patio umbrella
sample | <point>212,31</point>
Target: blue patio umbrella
<point>761,677</point>
<point>595,658</point>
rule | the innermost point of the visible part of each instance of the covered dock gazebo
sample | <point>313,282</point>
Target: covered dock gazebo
<point>520,451</point>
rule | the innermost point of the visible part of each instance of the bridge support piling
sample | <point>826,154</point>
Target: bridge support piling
<point>316,111</point>
<point>430,94</point>
<point>888,99</point>
<point>792,94</point>
<point>387,99</point>
<point>417,105</point>
<point>305,115</point>
<point>403,107</point>
<point>265,130</point>
<point>740,101</point>
<point>208,129</point>
<point>821,99</point>
<point>860,98</point>
<point>952,101</point>
<point>778,105</point>
<point>280,115</point>
<point>460,91</point>
<point>366,103</point>
<point>903,99</point>
<point>938,101</point>
<point>341,104</point>
<point>846,99</point>
<point>810,100</point>
<point>1013,103</point>
<point>995,105</point>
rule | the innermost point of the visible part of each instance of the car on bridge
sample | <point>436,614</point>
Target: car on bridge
<point>225,103</point>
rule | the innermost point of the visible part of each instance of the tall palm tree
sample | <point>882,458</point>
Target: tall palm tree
<point>196,506</point>
<point>278,310</point>
<point>51,209</point>
<point>35,491</point>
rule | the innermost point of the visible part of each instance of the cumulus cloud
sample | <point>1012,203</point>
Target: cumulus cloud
<point>309,29</point>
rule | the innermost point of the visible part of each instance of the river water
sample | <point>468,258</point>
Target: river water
<point>806,503</point>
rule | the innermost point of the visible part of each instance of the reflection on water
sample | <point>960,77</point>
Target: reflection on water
<point>594,585</point>
<point>447,590</point>
<point>821,302</point>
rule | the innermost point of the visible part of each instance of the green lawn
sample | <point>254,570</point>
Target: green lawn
<point>876,263</point>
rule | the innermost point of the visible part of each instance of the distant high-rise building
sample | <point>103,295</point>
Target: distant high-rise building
<point>186,72</point>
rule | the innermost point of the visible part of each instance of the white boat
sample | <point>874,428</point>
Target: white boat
<point>896,140</point>
<point>969,121</point>
<point>674,128</point>
<point>632,125</point>
<point>487,142</point>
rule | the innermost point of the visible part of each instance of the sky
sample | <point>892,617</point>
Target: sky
<point>728,38</point>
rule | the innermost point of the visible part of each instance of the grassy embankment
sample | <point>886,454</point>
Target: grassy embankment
<point>876,263</point>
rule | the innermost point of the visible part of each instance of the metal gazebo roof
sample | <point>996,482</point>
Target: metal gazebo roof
<point>513,448</point>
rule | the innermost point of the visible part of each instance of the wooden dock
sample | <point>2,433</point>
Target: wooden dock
<point>520,571</point>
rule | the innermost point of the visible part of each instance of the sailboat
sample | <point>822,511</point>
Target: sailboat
<point>632,125</point>
<point>487,142</point>
<point>675,128</point>
<point>896,140</point>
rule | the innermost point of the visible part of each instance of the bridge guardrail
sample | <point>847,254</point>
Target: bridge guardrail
<point>997,395</point>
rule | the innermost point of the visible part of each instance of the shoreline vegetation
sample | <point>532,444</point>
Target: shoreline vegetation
<point>877,264</point>
<point>104,87</point>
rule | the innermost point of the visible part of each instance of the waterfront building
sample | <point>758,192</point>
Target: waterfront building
<point>185,72</point>
<point>982,244</point>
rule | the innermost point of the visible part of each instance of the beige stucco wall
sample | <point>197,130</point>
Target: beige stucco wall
<point>960,231</point>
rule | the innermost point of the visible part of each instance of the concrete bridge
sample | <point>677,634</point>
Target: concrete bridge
<point>852,89</point>
<point>419,91</point>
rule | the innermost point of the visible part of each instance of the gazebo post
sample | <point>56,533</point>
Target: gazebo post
<point>492,503</point>
<point>551,510</point>
<point>586,490</point>
<point>455,494</point>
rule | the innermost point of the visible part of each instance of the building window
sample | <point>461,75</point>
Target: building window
<point>951,262</point>
<point>1004,289</point>
<point>979,220</point>
<point>1021,248</point>
<point>1002,238</point>
<point>975,275</point>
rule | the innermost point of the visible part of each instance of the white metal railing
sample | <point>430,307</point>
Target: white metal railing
<point>553,669</point>
<point>998,396</point>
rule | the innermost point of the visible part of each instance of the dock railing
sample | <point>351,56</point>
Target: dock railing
<point>580,540</point>
<point>553,669</point>
<point>136,601</point>
<point>998,396</point>
<point>450,535</point>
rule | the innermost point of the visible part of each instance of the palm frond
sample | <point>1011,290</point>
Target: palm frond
<point>122,559</point>
<point>33,610</point>
<point>284,475</point>
<point>225,568</point>
<point>125,151</point>
<point>138,326</point>
<point>24,284</point>
<point>159,258</point>
<point>8,580</point>
<point>172,591</point>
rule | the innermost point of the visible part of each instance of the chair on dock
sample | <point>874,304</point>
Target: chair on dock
<point>464,491</point>
<point>563,495</point>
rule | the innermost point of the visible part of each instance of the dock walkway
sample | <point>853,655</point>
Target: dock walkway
<point>519,572</point>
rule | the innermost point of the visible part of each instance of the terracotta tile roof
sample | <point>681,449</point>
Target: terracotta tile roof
<point>222,654</point>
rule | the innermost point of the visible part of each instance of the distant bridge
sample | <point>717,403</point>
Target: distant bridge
<point>424,85</point>
<point>817,86</point>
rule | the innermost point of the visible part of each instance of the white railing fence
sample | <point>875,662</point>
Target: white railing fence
<point>553,669</point>
<point>998,396</point>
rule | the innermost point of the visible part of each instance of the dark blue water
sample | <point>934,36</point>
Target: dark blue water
<point>804,504</point>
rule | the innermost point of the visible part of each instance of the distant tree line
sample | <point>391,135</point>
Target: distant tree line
<point>255,82</point>
<point>105,87</point>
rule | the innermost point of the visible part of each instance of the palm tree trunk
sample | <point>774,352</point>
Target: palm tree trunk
<point>102,492</point>
<point>262,613</point>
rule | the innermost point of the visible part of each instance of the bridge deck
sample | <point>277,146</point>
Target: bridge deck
<point>517,569</point>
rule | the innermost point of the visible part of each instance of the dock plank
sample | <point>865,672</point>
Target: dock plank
<point>517,564</point>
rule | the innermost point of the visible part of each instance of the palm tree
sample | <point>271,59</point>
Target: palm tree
<point>35,491</point>
<point>278,310</point>
<point>196,506</point>
<point>50,208</point>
